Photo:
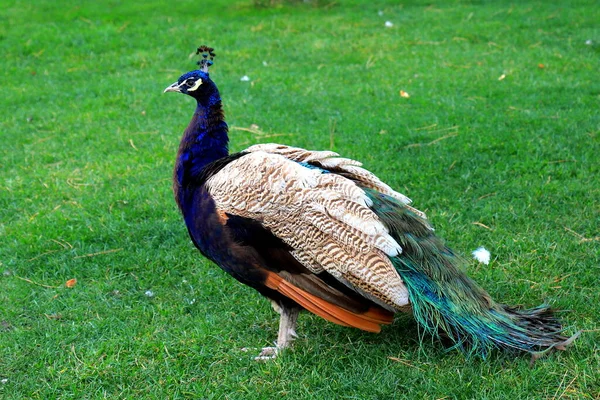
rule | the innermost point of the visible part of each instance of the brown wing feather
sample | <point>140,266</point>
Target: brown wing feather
<point>369,321</point>
<point>323,218</point>
<point>331,161</point>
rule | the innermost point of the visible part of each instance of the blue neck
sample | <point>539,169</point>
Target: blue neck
<point>204,141</point>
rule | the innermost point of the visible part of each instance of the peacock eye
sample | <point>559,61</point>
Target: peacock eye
<point>189,83</point>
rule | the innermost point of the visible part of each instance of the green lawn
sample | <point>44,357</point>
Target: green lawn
<point>499,142</point>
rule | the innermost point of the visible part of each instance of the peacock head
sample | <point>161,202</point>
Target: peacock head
<point>197,83</point>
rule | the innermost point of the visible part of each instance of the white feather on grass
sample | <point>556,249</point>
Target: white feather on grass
<point>482,255</point>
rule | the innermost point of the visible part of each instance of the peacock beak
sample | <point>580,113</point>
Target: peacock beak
<point>173,88</point>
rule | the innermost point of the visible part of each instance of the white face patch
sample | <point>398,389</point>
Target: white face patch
<point>196,85</point>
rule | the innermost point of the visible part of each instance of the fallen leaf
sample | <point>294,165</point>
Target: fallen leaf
<point>71,283</point>
<point>501,77</point>
<point>541,66</point>
<point>404,94</point>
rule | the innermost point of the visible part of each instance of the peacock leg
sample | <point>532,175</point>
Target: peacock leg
<point>288,316</point>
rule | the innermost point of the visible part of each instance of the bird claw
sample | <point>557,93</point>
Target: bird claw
<point>267,353</point>
<point>285,336</point>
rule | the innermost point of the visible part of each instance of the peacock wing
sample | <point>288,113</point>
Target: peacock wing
<point>330,161</point>
<point>323,217</point>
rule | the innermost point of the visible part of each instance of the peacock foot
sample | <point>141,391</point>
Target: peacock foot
<point>267,353</point>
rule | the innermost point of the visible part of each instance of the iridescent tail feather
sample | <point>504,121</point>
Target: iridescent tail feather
<point>447,303</point>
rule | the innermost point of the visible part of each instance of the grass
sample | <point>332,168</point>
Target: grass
<point>498,143</point>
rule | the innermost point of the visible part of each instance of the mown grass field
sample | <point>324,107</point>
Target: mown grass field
<point>499,142</point>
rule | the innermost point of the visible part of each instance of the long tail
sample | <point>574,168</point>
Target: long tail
<point>447,303</point>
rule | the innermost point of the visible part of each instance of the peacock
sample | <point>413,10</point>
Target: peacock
<point>310,230</point>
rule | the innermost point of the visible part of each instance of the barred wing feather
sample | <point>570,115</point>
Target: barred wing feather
<point>324,217</point>
<point>331,161</point>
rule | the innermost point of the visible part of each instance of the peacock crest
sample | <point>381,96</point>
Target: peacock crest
<point>207,56</point>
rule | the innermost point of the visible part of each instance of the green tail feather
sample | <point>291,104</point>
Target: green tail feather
<point>447,303</point>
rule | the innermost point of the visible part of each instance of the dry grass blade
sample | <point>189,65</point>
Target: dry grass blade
<point>258,134</point>
<point>405,362</point>
<point>448,136</point>
<point>482,225</point>
<point>582,239</point>
<point>36,283</point>
<point>99,253</point>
